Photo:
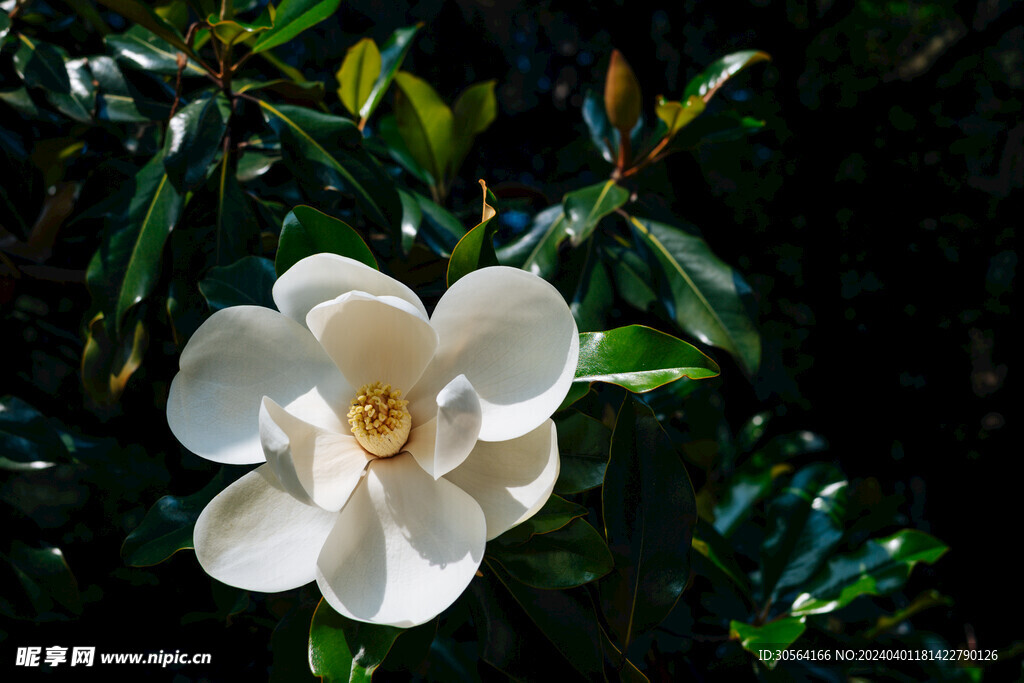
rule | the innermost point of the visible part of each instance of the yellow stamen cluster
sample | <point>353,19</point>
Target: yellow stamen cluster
<point>379,419</point>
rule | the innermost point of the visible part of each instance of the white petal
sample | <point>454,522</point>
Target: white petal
<point>313,464</point>
<point>323,277</point>
<point>443,443</point>
<point>255,535</point>
<point>372,340</point>
<point>514,338</point>
<point>404,548</point>
<point>233,360</point>
<point>510,479</point>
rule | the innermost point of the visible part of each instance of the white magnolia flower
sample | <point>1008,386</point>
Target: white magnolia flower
<point>395,444</point>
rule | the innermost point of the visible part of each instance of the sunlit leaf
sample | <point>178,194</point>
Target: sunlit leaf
<point>193,140</point>
<point>476,248</point>
<point>621,94</point>
<point>474,111</point>
<point>879,567</point>
<point>546,233</point>
<point>109,360</point>
<point>146,51</point>
<point>307,231</point>
<point>425,123</point>
<point>358,74</point>
<point>292,91</point>
<point>677,115</point>
<point>775,636</point>
<point>602,133</point>
<point>586,207</point>
<point>117,99</point>
<point>292,18</point>
<point>229,31</point>
<point>392,54</point>
<point>341,649</point>
<point>707,82</point>
<point>704,295</point>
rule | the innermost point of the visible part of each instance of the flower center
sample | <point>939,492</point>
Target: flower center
<point>379,419</point>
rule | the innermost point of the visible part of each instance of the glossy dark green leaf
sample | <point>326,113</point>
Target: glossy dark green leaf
<point>749,484</point>
<point>476,248</point>
<point>677,115</point>
<point>602,133</point>
<point>586,207</point>
<point>237,227</point>
<point>569,556</point>
<point>426,124</point>
<point>639,359</point>
<point>142,13</point>
<point>292,91</point>
<point>45,577</point>
<point>80,102</point>
<point>144,50</point>
<point>709,543</point>
<point>707,82</point>
<point>358,73</point>
<point>394,146</point>
<point>392,54</point>
<point>167,527</point>
<point>292,18</point>
<point>248,281</point>
<point>307,231</point>
<point>622,100</point>
<point>326,152</point>
<point>633,278</point>
<point>412,217</point>
<point>5,24</point>
<point>20,101</point>
<point>41,65</point>
<point>474,111</point>
<point>774,636</point>
<point>594,296</point>
<point>649,516</point>
<point>704,296</point>
<point>805,524</point>
<point>193,140</point>
<point>548,232</point>
<point>723,126</point>
<point>28,440</point>
<point>879,567</point>
<point>583,444</point>
<point>555,514</point>
<point>118,100</point>
<point>341,649</point>
<point>440,229</point>
<point>230,31</point>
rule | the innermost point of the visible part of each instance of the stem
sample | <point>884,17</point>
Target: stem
<point>227,10</point>
<point>651,157</point>
<point>624,151</point>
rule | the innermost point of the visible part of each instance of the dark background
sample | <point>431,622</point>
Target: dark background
<point>872,217</point>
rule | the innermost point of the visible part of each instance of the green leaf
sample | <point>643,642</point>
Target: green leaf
<point>326,152</point>
<point>555,514</point>
<point>118,100</point>
<point>110,359</point>
<point>341,649</point>
<point>639,359</point>
<point>146,51</point>
<point>878,567</point>
<point>28,440</point>
<point>718,552</point>
<point>292,18</point>
<point>602,134</point>
<point>142,13</point>
<point>593,298</point>
<point>426,124</point>
<point>395,147</point>
<point>391,57</point>
<point>570,556</point>
<point>193,140</point>
<point>805,525</point>
<point>724,126</point>
<point>777,635</point>
<point>547,233</point>
<point>585,208</point>
<point>293,91</point>
<point>229,31</point>
<point>440,229</point>
<point>476,248</point>
<point>79,103</point>
<point>41,65</point>
<point>649,516</point>
<point>307,231</point>
<point>633,277</point>
<point>704,296</point>
<point>45,577</point>
<point>247,281</point>
<point>621,94</point>
<point>237,228</point>
<point>707,83</point>
<point>677,115</point>
<point>474,111</point>
<point>5,24</point>
<point>167,527</point>
<point>358,74</point>
<point>583,444</point>
<point>412,217</point>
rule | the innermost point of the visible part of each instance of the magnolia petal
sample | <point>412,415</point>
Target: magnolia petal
<point>404,548</point>
<point>323,277</point>
<point>372,339</point>
<point>255,535</point>
<point>233,360</point>
<point>312,464</point>
<point>510,479</point>
<point>514,338</point>
<point>445,442</point>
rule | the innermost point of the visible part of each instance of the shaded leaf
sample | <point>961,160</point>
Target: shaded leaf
<point>426,124</point>
<point>621,94</point>
<point>639,359</point>
<point>45,577</point>
<point>41,65</point>
<point>109,359</point>
<point>117,99</point>
<point>586,207</point>
<point>569,556</point>
<point>715,128</point>
<point>28,440</point>
<point>292,18</point>
<point>292,91</point>
<point>142,13</point>
<point>358,74</point>
<point>193,140</point>
<point>395,147</point>
<point>247,281</point>
<point>392,54</point>
<point>602,133</point>
<point>307,231</point>
<point>79,103</point>
<point>775,636</point>
<point>341,649</point>
<point>593,297</point>
<point>707,82</point>
<point>649,516</point>
<point>555,514</point>
<point>583,444</point>
<point>704,300</point>
<point>709,543</point>
<point>879,567</point>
